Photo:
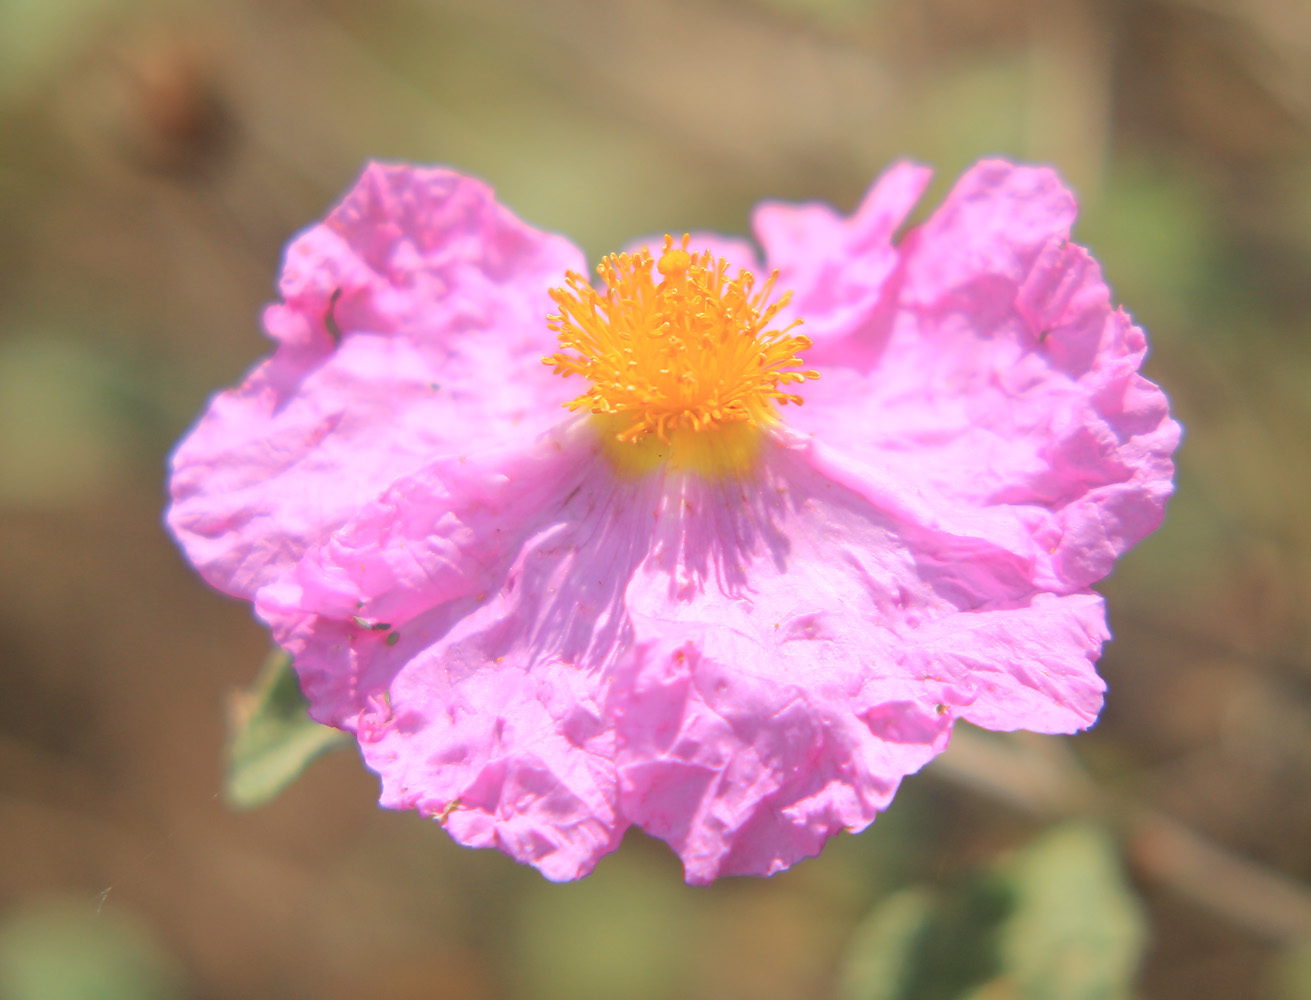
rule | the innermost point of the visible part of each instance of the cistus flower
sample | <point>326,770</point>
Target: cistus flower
<point>720,557</point>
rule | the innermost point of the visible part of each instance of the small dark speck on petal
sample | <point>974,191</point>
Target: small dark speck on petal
<point>330,320</point>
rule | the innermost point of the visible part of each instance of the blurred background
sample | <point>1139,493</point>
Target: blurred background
<point>156,155</point>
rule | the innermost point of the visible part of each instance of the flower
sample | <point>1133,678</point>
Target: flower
<point>639,583</point>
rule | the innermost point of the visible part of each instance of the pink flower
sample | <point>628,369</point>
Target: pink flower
<point>686,603</point>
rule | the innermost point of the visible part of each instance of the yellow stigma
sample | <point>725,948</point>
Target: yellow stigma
<point>690,361</point>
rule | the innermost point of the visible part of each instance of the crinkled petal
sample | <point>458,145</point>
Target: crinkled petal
<point>1007,378</point>
<point>515,754</point>
<point>439,297</point>
<point>804,642</point>
<point>836,267</point>
<point>742,668</point>
<point>538,650</point>
<point>989,230</point>
<point>501,579</point>
<point>435,543</point>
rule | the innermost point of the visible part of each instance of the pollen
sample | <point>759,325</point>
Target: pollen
<point>677,349</point>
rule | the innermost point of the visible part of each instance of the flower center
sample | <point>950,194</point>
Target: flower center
<point>690,361</point>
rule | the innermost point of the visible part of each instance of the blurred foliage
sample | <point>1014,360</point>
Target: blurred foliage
<point>156,155</point>
<point>1054,920</point>
<point>271,739</point>
<point>1076,930</point>
<point>64,950</point>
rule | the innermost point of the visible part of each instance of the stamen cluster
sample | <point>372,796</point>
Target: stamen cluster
<point>692,352</point>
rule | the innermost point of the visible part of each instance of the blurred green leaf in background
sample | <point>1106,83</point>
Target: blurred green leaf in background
<point>1055,921</point>
<point>57,949</point>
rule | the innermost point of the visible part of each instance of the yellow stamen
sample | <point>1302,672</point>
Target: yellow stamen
<point>686,370</point>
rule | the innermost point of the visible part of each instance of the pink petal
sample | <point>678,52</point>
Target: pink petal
<point>988,232</point>
<point>440,296</point>
<point>441,538</point>
<point>836,268</point>
<point>515,754</point>
<point>804,642</point>
<point>538,651</point>
<point>501,579</point>
<point>1008,381</point>
<point>742,669</point>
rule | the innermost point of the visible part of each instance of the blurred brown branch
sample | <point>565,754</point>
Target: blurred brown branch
<point>1041,776</point>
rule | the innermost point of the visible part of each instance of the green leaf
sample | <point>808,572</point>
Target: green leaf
<point>922,944</point>
<point>1077,931</point>
<point>1055,921</point>
<point>271,737</point>
<point>884,947</point>
<point>66,949</point>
